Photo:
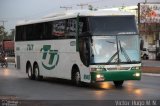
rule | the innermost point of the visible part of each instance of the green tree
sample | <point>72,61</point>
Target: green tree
<point>90,7</point>
<point>1,30</point>
<point>10,36</point>
<point>3,33</point>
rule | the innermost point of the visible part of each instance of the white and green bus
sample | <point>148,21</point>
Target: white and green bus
<point>86,46</point>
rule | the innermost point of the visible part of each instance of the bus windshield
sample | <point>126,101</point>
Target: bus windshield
<point>111,25</point>
<point>115,49</point>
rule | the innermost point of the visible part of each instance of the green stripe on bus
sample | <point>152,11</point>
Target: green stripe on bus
<point>117,75</point>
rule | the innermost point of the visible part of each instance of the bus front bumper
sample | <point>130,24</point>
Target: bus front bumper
<point>99,76</point>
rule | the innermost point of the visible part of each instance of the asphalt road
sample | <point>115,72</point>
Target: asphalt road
<point>15,83</point>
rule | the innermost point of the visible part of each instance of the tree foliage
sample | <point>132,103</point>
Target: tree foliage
<point>90,7</point>
<point>3,33</point>
<point>11,35</point>
<point>1,30</point>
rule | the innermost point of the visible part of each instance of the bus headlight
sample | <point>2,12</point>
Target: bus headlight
<point>137,74</point>
<point>5,58</point>
<point>99,77</point>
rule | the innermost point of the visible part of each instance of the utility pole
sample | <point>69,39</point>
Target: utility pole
<point>65,7</point>
<point>82,5</point>
<point>145,1</point>
<point>3,23</point>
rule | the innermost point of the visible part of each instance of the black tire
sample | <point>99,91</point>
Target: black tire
<point>4,64</point>
<point>145,57</point>
<point>76,77</point>
<point>36,73</point>
<point>118,83</point>
<point>30,72</point>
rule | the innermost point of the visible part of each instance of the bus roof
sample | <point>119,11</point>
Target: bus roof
<point>74,14</point>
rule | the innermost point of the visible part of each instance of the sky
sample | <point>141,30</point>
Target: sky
<point>12,11</point>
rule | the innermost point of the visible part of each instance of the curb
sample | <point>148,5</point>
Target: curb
<point>151,74</point>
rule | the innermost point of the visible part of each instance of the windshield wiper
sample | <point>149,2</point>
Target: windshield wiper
<point>114,55</point>
<point>124,52</point>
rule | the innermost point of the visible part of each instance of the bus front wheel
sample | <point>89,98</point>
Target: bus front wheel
<point>118,83</point>
<point>76,78</point>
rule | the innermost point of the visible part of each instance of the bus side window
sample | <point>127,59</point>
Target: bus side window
<point>29,32</point>
<point>71,28</point>
<point>58,30</point>
<point>84,27</point>
<point>48,31</point>
<point>84,50</point>
<point>20,31</point>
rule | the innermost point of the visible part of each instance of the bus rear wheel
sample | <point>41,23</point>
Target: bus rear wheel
<point>118,83</point>
<point>29,72</point>
<point>36,73</point>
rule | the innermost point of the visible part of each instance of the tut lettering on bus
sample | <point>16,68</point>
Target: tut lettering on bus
<point>30,47</point>
<point>50,57</point>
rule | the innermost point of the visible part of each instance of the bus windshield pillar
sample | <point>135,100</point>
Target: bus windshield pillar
<point>77,33</point>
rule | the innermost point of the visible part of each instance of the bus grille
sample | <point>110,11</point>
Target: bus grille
<point>118,68</point>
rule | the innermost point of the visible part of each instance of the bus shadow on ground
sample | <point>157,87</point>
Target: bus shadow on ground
<point>93,86</point>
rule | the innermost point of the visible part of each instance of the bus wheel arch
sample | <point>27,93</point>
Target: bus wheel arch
<point>29,70</point>
<point>75,75</point>
<point>36,71</point>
